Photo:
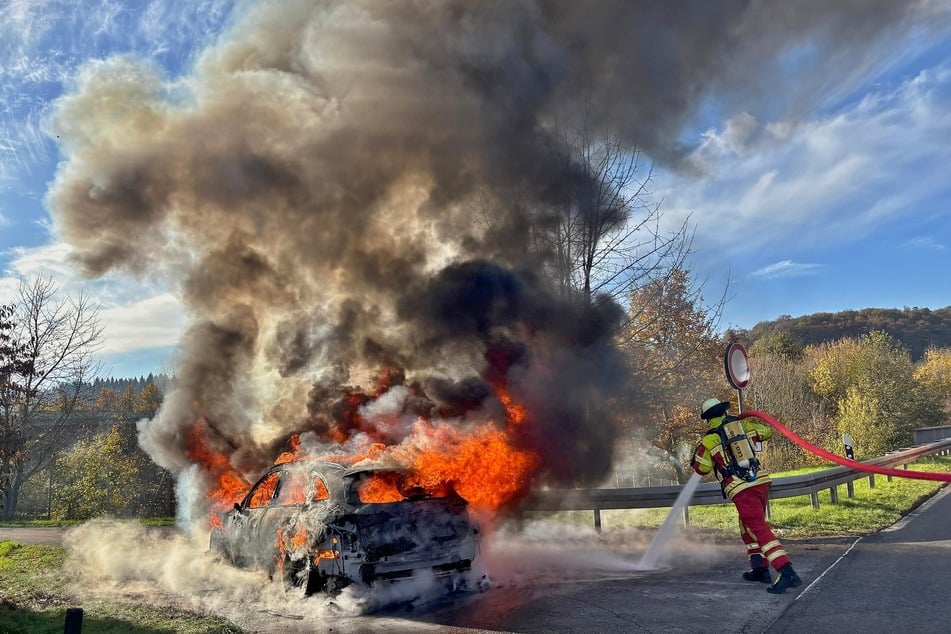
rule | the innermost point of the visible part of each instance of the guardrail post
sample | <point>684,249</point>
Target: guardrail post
<point>834,493</point>
<point>815,500</point>
<point>686,516</point>
<point>769,511</point>
<point>597,520</point>
<point>871,480</point>
<point>850,489</point>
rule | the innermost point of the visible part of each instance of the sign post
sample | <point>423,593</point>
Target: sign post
<point>847,441</point>
<point>850,454</point>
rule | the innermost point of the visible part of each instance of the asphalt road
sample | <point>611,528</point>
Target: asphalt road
<point>895,580</point>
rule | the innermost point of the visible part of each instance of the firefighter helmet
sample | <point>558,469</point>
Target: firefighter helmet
<point>713,407</point>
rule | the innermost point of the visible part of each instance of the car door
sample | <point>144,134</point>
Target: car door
<point>298,510</point>
<point>251,523</point>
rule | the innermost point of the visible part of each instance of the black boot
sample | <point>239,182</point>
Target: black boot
<point>758,574</point>
<point>787,579</point>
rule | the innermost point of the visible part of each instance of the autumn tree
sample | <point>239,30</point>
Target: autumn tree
<point>782,386</point>
<point>127,401</point>
<point>149,400</point>
<point>933,373</point>
<point>96,476</point>
<point>14,368</point>
<point>107,401</point>
<point>676,363</point>
<point>56,341</point>
<point>869,383</point>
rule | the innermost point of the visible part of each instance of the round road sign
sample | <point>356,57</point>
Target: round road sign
<point>737,366</point>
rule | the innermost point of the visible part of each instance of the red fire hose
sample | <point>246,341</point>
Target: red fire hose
<point>852,464</point>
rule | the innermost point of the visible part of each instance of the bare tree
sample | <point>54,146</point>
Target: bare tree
<point>56,343</point>
<point>604,236</point>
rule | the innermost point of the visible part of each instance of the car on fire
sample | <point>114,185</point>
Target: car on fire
<point>321,526</point>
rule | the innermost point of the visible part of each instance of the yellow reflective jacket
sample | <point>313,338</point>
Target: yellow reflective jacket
<point>709,456</point>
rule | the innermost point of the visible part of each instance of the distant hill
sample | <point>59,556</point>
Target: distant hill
<point>916,328</point>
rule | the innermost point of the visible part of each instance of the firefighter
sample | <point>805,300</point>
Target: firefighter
<point>727,449</point>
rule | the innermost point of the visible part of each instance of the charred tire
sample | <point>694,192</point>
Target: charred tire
<point>300,579</point>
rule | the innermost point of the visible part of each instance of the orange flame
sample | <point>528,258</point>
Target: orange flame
<point>484,468</point>
<point>230,486</point>
<point>485,465</point>
<point>295,452</point>
<point>379,490</point>
<point>516,413</point>
<point>299,540</point>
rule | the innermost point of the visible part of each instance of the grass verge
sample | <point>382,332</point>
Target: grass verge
<point>34,597</point>
<point>870,509</point>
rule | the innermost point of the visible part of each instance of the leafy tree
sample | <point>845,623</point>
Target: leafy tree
<point>933,373</point>
<point>14,367</point>
<point>149,400</point>
<point>676,363</point>
<point>107,401</point>
<point>96,476</point>
<point>56,341</point>
<point>781,344</point>
<point>869,382</point>
<point>127,401</point>
<point>781,385</point>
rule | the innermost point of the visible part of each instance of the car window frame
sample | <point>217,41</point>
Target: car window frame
<point>314,476</point>
<point>246,503</point>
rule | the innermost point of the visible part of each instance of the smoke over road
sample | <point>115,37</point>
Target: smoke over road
<point>345,193</point>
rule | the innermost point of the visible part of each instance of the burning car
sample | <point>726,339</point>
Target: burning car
<point>320,526</point>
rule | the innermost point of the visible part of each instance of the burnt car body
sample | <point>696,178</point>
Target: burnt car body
<point>313,524</point>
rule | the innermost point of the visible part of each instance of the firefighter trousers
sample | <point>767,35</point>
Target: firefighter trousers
<point>755,531</point>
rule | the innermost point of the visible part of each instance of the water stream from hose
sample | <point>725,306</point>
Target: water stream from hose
<point>668,529</point>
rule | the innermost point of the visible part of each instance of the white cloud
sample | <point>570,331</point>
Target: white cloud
<point>786,268</point>
<point>45,42</point>
<point>152,322</point>
<point>923,243</point>
<point>135,315</point>
<point>835,178</point>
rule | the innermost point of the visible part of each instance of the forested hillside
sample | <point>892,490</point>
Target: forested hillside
<point>916,329</point>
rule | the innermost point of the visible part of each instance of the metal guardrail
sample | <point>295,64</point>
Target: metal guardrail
<point>810,484</point>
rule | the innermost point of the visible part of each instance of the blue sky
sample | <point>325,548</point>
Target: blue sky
<point>821,191</point>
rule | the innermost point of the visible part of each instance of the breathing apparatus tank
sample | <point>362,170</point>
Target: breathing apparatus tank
<point>740,444</point>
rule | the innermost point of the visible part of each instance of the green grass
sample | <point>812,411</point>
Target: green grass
<point>34,597</point>
<point>870,510</point>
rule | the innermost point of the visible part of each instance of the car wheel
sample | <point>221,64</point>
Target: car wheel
<point>300,578</point>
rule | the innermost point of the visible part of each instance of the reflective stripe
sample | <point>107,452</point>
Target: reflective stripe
<point>776,554</point>
<point>735,485</point>
<point>772,544</point>
<point>702,463</point>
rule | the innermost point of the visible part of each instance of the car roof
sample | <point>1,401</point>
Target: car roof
<point>328,467</point>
